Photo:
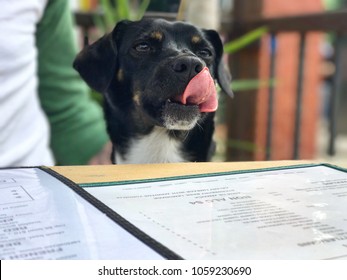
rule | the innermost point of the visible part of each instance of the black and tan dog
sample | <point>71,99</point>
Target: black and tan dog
<point>157,78</point>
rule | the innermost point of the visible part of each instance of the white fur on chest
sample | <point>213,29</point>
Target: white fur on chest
<point>156,147</point>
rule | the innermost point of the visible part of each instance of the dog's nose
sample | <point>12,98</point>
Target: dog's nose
<point>188,65</point>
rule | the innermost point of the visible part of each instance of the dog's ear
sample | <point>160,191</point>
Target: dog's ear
<point>96,63</point>
<point>222,74</point>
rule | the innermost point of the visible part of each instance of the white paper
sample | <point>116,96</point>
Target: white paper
<point>284,214</point>
<point>41,218</point>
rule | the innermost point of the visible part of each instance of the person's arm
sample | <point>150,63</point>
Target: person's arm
<point>78,132</point>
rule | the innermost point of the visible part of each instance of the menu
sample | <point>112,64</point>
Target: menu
<point>42,218</point>
<point>269,214</point>
<point>290,213</point>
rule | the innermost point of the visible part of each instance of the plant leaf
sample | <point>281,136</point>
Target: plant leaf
<point>240,85</point>
<point>243,85</point>
<point>244,145</point>
<point>123,9</point>
<point>243,41</point>
<point>142,9</point>
<point>100,23</point>
<point>110,16</point>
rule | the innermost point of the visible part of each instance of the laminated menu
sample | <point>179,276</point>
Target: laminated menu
<point>43,217</point>
<point>295,212</point>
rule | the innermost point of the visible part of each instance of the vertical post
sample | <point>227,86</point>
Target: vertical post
<point>241,112</point>
<point>271,97</point>
<point>85,31</point>
<point>334,98</point>
<point>299,96</point>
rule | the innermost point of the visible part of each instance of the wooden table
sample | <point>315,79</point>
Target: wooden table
<point>113,173</point>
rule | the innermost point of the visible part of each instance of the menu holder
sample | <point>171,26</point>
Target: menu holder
<point>293,212</point>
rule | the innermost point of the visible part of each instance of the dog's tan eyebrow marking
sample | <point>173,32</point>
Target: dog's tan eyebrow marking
<point>157,35</point>
<point>196,39</point>
<point>120,75</point>
<point>136,97</point>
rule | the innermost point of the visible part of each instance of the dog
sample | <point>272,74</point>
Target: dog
<point>158,81</point>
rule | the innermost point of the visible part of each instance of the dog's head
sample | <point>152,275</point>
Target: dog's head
<point>164,70</point>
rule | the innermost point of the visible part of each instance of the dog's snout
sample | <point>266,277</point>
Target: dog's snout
<point>188,65</point>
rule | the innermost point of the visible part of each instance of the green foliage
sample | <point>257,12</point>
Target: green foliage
<point>117,10</point>
<point>245,40</point>
<point>242,145</point>
<point>240,85</point>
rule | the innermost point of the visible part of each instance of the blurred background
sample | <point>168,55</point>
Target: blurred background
<point>288,61</point>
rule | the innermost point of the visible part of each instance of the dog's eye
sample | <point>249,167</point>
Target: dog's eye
<point>204,53</point>
<point>142,47</point>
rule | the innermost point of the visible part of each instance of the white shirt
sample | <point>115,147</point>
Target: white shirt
<point>24,130</point>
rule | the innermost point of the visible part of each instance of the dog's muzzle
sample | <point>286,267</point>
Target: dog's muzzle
<point>183,111</point>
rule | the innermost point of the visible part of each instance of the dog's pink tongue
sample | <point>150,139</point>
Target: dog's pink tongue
<point>201,91</point>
